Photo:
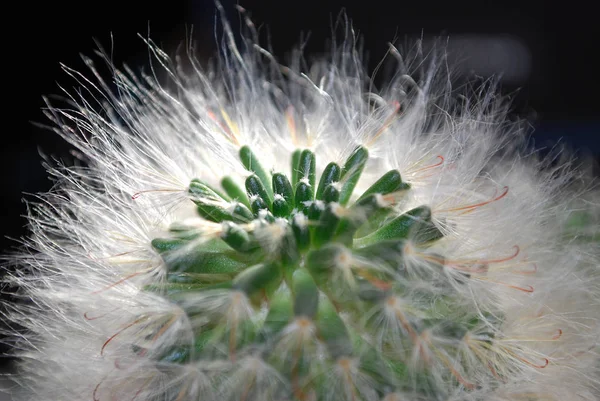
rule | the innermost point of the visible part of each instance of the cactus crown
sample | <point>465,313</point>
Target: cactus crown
<point>309,286</point>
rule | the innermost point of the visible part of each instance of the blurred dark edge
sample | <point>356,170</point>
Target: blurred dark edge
<point>548,53</point>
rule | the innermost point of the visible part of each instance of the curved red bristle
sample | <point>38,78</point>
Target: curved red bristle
<point>534,270</point>
<point>119,332</point>
<point>437,164</point>
<point>469,208</point>
<point>87,317</point>
<point>120,281</point>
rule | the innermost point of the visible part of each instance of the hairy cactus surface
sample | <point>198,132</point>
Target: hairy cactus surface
<point>296,276</point>
<point>254,232</point>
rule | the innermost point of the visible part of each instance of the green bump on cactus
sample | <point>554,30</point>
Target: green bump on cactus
<point>234,191</point>
<point>330,175</point>
<point>283,187</point>
<point>388,183</point>
<point>250,161</point>
<point>326,226</point>
<point>360,213</point>
<point>295,167</point>
<point>415,224</point>
<point>258,204</point>
<point>303,196</point>
<point>215,206</point>
<point>256,188</point>
<point>331,194</point>
<point>306,294</point>
<point>351,173</point>
<point>237,238</point>
<point>307,168</point>
<point>313,282</point>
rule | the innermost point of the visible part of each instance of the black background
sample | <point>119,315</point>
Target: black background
<point>558,93</point>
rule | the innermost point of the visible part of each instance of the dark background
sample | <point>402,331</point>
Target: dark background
<point>549,52</point>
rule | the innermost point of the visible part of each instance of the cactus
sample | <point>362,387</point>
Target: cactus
<point>269,233</point>
<point>288,280</point>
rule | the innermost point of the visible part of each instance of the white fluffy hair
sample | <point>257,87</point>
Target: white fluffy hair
<point>83,269</point>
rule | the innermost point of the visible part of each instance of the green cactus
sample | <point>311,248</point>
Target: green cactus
<point>316,285</point>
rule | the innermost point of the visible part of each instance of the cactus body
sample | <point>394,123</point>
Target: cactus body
<point>319,304</point>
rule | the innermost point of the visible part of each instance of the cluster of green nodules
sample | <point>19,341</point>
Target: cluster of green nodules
<point>301,274</point>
